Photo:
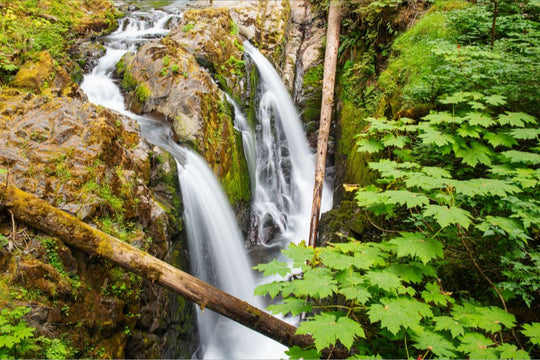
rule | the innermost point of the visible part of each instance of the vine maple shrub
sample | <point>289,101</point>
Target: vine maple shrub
<point>461,180</point>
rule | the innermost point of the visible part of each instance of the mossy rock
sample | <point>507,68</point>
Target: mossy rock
<point>35,75</point>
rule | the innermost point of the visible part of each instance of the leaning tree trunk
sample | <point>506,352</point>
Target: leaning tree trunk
<point>39,214</point>
<point>329,77</point>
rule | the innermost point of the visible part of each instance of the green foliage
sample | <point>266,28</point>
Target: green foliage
<point>17,339</point>
<point>444,186</point>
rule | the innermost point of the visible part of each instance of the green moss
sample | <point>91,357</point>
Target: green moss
<point>142,93</point>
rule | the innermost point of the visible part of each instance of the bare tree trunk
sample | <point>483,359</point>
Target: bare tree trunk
<point>37,213</point>
<point>329,77</point>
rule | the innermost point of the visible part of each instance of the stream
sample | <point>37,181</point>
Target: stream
<point>281,171</point>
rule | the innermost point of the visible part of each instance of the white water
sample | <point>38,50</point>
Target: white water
<point>216,246</point>
<point>285,165</point>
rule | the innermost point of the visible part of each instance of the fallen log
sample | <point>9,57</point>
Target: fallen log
<point>39,214</point>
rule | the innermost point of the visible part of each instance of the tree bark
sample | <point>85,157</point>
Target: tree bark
<point>39,214</point>
<point>329,77</point>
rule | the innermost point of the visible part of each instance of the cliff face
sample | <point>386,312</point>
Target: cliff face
<point>93,163</point>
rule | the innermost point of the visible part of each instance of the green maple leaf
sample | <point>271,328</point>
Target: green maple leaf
<point>369,145</point>
<point>396,141</point>
<point>512,227</point>
<point>367,198</point>
<point>477,346</point>
<point>299,254</point>
<point>317,283</point>
<point>455,98</point>
<point>486,318</point>
<point>441,118</point>
<point>407,272</point>
<point>469,131</point>
<point>435,137</point>
<point>476,154</point>
<point>405,197</point>
<point>293,305</point>
<point>516,119</point>
<point>350,278</point>
<point>532,331</point>
<point>296,352</point>
<point>400,312</point>
<point>433,294</point>
<point>384,280</point>
<point>516,156</point>
<point>272,289</point>
<point>388,168</point>
<point>495,100</point>
<point>500,139</point>
<point>425,182</point>
<point>480,119</point>
<point>359,294</point>
<point>273,267</point>
<point>449,324</point>
<point>446,216</point>
<point>8,341</point>
<point>326,330</point>
<point>336,260</point>
<point>437,343</point>
<point>417,245</point>
<point>436,172</point>
<point>525,134</point>
<point>483,187</point>
<point>510,351</point>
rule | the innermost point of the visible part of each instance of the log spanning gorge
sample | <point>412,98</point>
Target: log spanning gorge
<point>280,164</point>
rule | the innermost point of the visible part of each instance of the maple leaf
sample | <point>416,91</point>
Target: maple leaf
<point>407,272</point>
<point>434,295</point>
<point>516,156</point>
<point>469,131</point>
<point>441,117</point>
<point>476,154</point>
<point>516,119</point>
<point>477,346</point>
<point>417,245</point>
<point>495,100</point>
<point>317,283</point>
<point>384,280</point>
<point>273,267</point>
<point>369,145</point>
<point>396,141</point>
<point>296,352</point>
<point>446,216</point>
<point>399,312</point>
<point>525,134</point>
<point>299,254</point>
<point>532,331</point>
<point>436,172</point>
<point>500,139</point>
<point>435,137</point>
<point>438,344</point>
<point>272,289</point>
<point>476,118</point>
<point>510,351</point>
<point>405,197</point>
<point>335,260</point>
<point>359,294</point>
<point>449,324</point>
<point>326,330</point>
<point>293,305</point>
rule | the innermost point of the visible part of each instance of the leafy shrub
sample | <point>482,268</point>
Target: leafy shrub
<point>461,180</point>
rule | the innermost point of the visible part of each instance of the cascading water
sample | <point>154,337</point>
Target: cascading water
<point>216,245</point>
<point>285,166</point>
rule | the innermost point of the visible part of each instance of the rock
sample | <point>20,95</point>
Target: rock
<point>164,79</point>
<point>34,75</point>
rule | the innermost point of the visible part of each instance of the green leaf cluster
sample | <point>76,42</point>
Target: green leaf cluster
<point>444,183</point>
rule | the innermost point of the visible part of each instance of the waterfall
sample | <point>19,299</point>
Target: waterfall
<point>285,165</point>
<point>216,247</point>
